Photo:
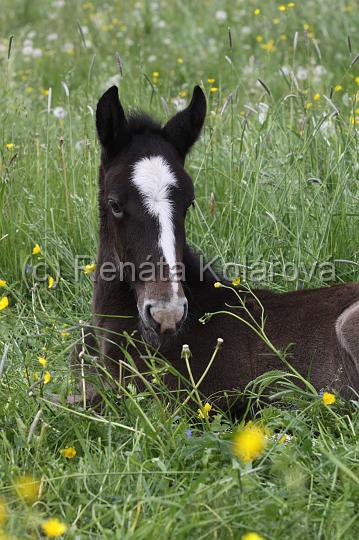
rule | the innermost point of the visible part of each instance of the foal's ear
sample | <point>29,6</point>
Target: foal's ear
<point>111,122</point>
<point>184,128</point>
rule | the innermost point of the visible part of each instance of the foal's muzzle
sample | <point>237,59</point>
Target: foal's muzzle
<point>165,317</point>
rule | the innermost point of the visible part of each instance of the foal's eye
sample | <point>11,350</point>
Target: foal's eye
<point>116,209</point>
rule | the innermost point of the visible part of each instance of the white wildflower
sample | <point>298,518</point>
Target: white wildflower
<point>262,112</point>
<point>179,103</point>
<point>221,15</point>
<point>302,73</point>
<point>52,37</point>
<point>59,112</point>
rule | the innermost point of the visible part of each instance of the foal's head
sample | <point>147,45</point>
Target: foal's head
<point>145,193</point>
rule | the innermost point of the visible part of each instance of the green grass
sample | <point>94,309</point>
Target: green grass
<point>286,191</point>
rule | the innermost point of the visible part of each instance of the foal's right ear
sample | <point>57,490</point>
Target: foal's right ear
<point>111,123</point>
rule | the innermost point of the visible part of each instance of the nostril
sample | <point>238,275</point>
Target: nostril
<point>148,312</point>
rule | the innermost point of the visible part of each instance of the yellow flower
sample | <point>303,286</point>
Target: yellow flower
<point>2,283</point>
<point>259,38</point>
<point>47,377</point>
<point>42,361</point>
<point>156,74</point>
<point>3,511</point>
<point>4,303</point>
<point>183,93</point>
<point>306,26</point>
<point>179,60</point>
<point>249,443</point>
<point>252,536</point>
<point>282,7</point>
<point>308,105</point>
<point>27,488</point>
<point>328,398</point>
<point>53,527</point>
<point>89,268</point>
<point>50,282</point>
<point>236,281</point>
<point>316,97</point>
<point>10,145</point>
<point>276,20</point>
<point>217,285</point>
<point>64,333</point>
<point>356,80</point>
<point>44,92</point>
<point>36,249</point>
<point>269,46</point>
<point>211,81</point>
<point>257,11</point>
<point>214,89</point>
<point>204,411</point>
<point>338,87</point>
<point>69,452</point>
<point>291,4</point>
<point>283,37</point>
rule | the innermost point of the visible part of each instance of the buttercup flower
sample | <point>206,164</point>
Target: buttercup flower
<point>36,249</point>
<point>338,87</point>
<point>211,81</point>
<point>214,89</point>
<point>217,285</point>
<point>10,146</point>
<point>53,527</point>
<point>316,97</point>
<point>2,283</point>
<point>47,377</point>
<point>27,488</point>
<point>69,452</point>
<point>204,411</point>
<point>257,11</point>
<point>252,536</point>
<point>50,282</point>
<point>42,361</point>
<point>89,268</point>
<point>4,302</point>
<point>249,443</point>
<point>236,281</point>
<point>328,398</point>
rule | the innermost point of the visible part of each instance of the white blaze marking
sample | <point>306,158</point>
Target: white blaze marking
<point>153,178</point>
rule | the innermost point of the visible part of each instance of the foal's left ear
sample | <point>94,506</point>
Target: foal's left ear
<point>184,128</point>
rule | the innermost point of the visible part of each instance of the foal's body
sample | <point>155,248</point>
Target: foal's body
<point>144,195</point>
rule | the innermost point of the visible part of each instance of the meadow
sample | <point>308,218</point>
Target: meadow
<point>276,176</point>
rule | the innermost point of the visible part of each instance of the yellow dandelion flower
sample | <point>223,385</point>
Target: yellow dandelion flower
<point>69,452</point>
<point>214,89</point>
<point>50,282</point>
<point>282,7</point>
<point>257,11</point>
<point>4,303</point>
<point>2,283</point>
<point>204,411</point>
<point>236,281</point>
<point>291,4</point>
<point>53,527</point>
<point>356,80</point>
<point>3,511</point>
<point>89,268</point>
<point>217,285</point>
<point>211,81</point>
<point>27,488</point>
<point>249,443</point>
<point>10,145</point>
<point>47,377</point>
<point>252,536</point>
<point>259,38</point>
<point>316,97</point>
<point>179,60</point>
<point>328,398</point>
<point>36,249</point>
<point>42,361</point>
<point>338,87</point>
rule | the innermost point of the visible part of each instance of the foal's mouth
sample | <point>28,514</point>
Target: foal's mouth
<point>160,320</point>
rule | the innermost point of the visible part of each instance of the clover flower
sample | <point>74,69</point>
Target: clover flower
<point>204,411</point>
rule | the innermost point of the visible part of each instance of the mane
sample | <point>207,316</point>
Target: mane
<point>140,122</point>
